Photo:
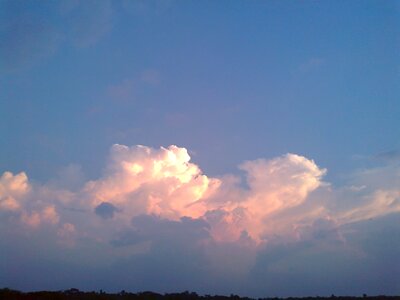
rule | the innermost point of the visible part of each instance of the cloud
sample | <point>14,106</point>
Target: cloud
<point>105,210</point>
<point>70,178</point>
<point>153,211</point>
<point>150,76</point>
<point>311,64</point>
<point>88,20</point>
<point>380,203</point>
<point>146,8</point>
<point>16,194</point>
<point>123,90</point>
<point>274,186</point>
<point>25,38</point>
<point>28,35</point>
<point>12,189</point>
<point>393,155</point>
<point>281,196</point>
<point>142,180</point>
<point>359,261</point>
<point>132,87</point>
<point>278,199</point>
<point>155,229</point>
<point>47,215</point>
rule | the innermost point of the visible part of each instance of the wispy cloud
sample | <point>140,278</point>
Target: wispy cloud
<point>128,89</point>
<point>27,35</point>
<point>87,21</point>
<point>311,64</point>
<point>25,39</point>
<point>393,155</point>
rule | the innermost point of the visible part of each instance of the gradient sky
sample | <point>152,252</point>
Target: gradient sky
<point>285,177</point>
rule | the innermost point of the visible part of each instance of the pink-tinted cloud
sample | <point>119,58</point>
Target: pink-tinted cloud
<point>142,180</point>
<point>12,189</point>
<point>155,209</point>
<point>279,199</point>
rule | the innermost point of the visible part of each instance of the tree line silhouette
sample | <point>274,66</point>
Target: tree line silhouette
<point>75,294</point>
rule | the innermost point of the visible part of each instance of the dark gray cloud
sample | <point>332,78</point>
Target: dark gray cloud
<point>176,258</point>
<point>167,256</point>
<point>163,231</point>
<point>363,262</point>
<point>105,210</point>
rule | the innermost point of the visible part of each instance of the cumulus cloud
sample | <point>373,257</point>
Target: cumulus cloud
<point>12,189</point>
<point>151,203</point>
<point>142,180</point>
<point>20,200</point>
<point>278,198</point>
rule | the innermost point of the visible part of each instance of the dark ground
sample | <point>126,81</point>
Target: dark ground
<point>74,294</point>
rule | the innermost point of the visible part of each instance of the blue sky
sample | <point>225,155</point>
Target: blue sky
<point>230,81</point>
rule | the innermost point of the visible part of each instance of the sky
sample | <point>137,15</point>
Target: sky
<point>246,147</point>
